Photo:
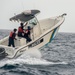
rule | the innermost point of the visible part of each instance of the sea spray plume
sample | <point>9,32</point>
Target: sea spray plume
<point>29,57</point>
<point>33,53</point>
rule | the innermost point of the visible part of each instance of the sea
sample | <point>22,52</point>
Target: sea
<point>56,58</point>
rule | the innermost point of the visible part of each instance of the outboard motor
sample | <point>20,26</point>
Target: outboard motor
<point>2,53</point>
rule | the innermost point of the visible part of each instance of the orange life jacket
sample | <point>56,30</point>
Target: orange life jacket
<point>11,33</point>
<point>20,30</point>
<point>26,31</point>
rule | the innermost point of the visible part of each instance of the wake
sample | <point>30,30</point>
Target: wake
<point>30,57</point>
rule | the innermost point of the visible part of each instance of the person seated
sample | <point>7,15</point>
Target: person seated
<point>12,37</point>
<point>21,30</point>
<point>27,34</point>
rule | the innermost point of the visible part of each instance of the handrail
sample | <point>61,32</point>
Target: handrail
<point>59,16</point>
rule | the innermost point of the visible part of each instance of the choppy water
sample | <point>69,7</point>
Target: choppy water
<point>57,58</point>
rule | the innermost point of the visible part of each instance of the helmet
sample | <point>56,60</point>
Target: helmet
<point>29,27</point>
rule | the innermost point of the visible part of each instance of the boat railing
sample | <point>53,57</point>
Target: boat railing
<point>60,16</point>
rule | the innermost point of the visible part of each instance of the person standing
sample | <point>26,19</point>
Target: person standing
<point>12,37</point>
<point>21,30</point>
<point>27,34</point>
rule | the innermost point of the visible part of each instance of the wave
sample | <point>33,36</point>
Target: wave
<point>30,57</point>
<point>30,61</point>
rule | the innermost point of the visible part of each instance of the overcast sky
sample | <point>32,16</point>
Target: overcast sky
<point>48,9</point>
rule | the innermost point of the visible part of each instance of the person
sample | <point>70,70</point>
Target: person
<point>27,34</point>
<point>12,37</point>
<point>21,30</point>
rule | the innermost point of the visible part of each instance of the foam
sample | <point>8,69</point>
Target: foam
<point>30,57</point>
<point>34,53</point>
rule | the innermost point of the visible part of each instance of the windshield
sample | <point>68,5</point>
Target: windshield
<point>33,22</point>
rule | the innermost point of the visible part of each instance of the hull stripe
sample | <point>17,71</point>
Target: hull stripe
<point>51,38</point>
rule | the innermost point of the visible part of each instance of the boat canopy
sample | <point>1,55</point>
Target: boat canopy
<point>25,16</point>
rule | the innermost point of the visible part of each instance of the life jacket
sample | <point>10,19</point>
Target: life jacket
<point>20,30</point>
<point>11,34</point>
<point>27,31</point>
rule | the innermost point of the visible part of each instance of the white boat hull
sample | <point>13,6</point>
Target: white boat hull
<point>41,38</point>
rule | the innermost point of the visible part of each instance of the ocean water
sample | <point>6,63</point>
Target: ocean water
<point>57,58</point>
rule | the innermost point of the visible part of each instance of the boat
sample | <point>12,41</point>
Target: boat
<point>42,32</point>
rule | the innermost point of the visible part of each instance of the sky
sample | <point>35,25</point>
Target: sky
<point>48,8</point>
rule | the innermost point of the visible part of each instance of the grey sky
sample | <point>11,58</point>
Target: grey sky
<point>48,9</point>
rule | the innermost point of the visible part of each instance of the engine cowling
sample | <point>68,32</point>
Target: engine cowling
<point>2,53</point>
